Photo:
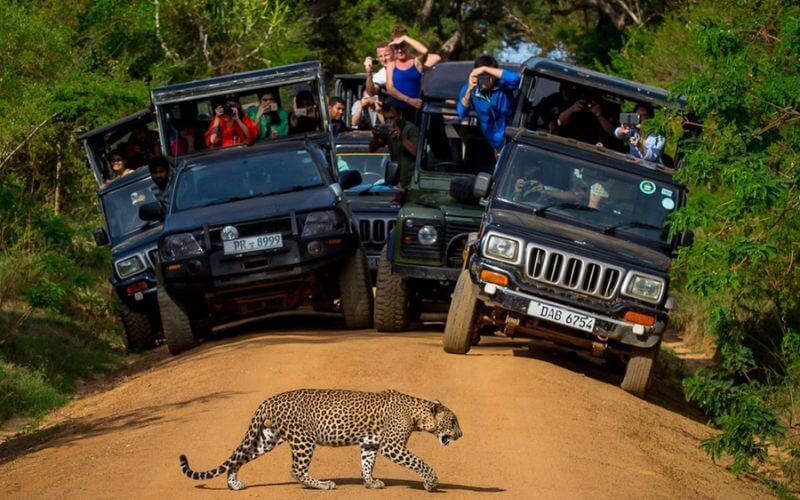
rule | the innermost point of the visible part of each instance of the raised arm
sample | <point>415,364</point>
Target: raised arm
<point>420,49</point>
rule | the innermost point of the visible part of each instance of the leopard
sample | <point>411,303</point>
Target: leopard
<point>378,422</point>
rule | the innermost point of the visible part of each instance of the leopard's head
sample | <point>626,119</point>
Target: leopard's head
<point>442,422</point>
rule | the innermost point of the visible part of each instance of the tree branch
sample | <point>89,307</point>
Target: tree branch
<point>24,141</point>
<point>164,47</point>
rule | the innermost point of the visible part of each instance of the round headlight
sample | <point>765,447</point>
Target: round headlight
<point>229,233</point>
<point>427,235</point>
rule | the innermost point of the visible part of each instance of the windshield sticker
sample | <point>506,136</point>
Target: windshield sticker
<point>668,203</point>
<point>647,187</point>
<point>666,192</point>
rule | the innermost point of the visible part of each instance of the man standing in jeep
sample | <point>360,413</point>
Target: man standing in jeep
<point>401,137</point>
<point>490,92</point>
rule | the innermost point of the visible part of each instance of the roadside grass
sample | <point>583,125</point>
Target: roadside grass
<point>44,357</point>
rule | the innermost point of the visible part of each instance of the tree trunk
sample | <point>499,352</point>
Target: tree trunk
<point>57,196</point>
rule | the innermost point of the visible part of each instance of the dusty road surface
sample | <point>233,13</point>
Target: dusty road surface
<point>537,422</point>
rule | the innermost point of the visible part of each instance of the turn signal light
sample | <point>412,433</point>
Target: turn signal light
<point>640,318</point>
<point>493,277</point>
<point>136,287</point>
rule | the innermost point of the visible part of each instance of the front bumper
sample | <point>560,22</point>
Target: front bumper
<point>426,272</point>
<point>138,292</point>
<point>608,327</point>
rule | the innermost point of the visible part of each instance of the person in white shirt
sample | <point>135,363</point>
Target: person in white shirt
<point>367,112</point>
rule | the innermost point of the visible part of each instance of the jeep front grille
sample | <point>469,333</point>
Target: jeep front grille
<point>152,256</point>
<point>573,272</point>
<point>375,230</point>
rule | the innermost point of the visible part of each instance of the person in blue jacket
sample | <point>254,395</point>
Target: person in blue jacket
<point>490,92</point>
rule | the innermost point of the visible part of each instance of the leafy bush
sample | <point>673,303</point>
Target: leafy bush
<point>25,392</point>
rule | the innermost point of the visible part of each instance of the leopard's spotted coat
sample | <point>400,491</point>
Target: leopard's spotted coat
<point>378,422</point>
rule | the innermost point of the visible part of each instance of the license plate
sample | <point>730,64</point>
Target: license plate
<point>253,244</point>
<point>562,316</point>
<point>373,262</point>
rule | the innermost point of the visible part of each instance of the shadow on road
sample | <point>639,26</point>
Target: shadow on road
<point>70,431</point>
<point>666,390</point>
<point>390,483</point>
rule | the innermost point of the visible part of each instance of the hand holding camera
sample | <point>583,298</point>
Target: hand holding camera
<point>368,64</point>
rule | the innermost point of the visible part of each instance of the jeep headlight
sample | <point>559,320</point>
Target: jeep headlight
<point>319,223</point>
<point>181,245</point>
<point>427,235</point>
<point>129,266</point>
<point>500,247</point>
<point>644,287</point>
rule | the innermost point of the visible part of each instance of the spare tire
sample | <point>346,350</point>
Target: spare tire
<point>461,190</point>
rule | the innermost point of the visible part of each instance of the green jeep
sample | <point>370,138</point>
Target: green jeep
<point>423,256</point>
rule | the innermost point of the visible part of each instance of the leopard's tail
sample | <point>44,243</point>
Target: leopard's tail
<point>256,426</point>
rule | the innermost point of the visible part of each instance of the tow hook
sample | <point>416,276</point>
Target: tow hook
<point>599,349</point>
<point>512,322</point>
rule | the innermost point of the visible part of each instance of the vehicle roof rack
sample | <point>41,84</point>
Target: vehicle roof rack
<point>628,89</point>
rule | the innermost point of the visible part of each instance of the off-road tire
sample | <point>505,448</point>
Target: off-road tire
<point>178,328</point>
<point>356,290</point>
<point>639,372</point>
<point>460,327</point>
<point>392,298</point>
<point>138,331</point>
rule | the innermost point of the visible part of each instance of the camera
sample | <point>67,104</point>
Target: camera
<point>484,82</point>
<point>227,110</point>
<point>630,119</point>
<point>384,131</point>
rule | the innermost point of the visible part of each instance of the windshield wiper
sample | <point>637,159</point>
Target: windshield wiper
<point>563,204</point>
<point>290,190</point>
<point>637,224</point>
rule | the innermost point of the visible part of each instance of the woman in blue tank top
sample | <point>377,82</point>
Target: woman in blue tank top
<point>403,77</point>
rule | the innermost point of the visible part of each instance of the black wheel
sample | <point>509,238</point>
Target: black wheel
<point>639,372</point>
<point>392,298</point>
<point>356,289</point>
<point>459,331</point>
<point>178,328</point>
<point>139,333</point>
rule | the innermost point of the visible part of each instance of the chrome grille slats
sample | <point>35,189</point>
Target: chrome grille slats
<point>572,272</point>
<point>375,230</point>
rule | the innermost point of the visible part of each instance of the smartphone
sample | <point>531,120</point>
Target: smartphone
<point>301,112</point>
<point>629,119</point>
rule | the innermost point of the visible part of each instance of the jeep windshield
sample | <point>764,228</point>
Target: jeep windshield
<point>121,207</point>
<point>608,200</point>
<point>372,166</point>
<point>244,177</point>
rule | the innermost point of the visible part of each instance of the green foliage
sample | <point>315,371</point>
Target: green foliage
<point>738,65</point>
<point>25,392</point>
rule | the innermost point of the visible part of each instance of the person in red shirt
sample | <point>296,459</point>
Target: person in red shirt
<point>230,126</point>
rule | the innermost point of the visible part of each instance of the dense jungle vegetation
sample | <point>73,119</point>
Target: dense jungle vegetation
<point>69,66</point>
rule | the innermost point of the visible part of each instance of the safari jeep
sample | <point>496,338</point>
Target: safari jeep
<point>255,229</point>
<point>133,241</point>
<point>574,247</point>
<point>422,258</point>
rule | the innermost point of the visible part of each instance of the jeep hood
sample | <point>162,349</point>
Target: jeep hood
<point>582,241</point>
<point>445,203</point>
<point>138,241</point>
<point>251,209</point>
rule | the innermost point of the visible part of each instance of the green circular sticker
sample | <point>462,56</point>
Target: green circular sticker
<point>647,187</point>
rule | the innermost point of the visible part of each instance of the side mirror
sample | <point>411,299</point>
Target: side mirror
<point>482,185</point>
<point>392,173</point>
<point>100,237</point>
<point>349,178</point>
<point>151,212</point>
<point>686,239</point>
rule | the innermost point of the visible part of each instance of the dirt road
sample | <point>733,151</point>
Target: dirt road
<point>537,422</point>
